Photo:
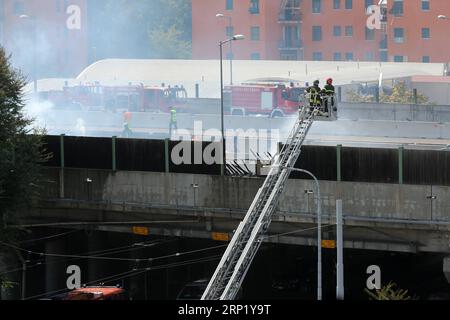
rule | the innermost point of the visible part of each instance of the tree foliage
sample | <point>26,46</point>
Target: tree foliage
<point>141,29</point>
<point>400,94</point>
<point>166,44</point>
<point>389,292</point>
<point>21,148</point>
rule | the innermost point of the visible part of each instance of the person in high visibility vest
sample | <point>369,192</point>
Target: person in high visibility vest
<point>314,95</point>
<point>173,120</point>
<point>329,91</point>
<point>127,133</point>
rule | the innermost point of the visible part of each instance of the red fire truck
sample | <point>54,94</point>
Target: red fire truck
<point>275,100</point>
<point>136,98</point>
<point>93,293</point>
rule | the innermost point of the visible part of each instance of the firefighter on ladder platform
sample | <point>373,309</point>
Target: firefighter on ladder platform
<point>328,93</point>
<point>313,92</point>
<point>173,120</point>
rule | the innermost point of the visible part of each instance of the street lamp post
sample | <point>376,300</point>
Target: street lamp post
<point>221,43</point>
<point>230,26</point>
<point>319,229</point>
<point>444,17</point>
<point>33,20</point>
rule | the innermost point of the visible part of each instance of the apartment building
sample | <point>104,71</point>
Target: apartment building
<point>416,34</point>
<point>46,38</point>
<point>253,18</point>
<point>408,30</point>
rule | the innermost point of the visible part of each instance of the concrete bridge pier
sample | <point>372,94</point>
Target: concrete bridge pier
<point>10,288</point>
<point>96,241</point>
<point>137,284</point>
<point>55,267</point>
<point>447,268</point>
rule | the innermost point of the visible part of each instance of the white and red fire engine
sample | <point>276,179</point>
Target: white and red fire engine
<point>275,100</point>
<point>135,98</point>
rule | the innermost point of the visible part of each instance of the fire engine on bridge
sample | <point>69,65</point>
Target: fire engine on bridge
<point>134,98</point>
<point>272,99</point>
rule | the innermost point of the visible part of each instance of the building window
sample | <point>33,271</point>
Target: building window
<point>349,31</point>
<point>397,8</point>
<point>255,33</point>
<point>317,33</point>
<point>399,35</point>
<point>316,6</point>
<point>337,56</point>
<point>426,5</point>
<point>425,33</point>
<point>229,5</point>
<point>337,31</point>
<point>426,59</point>
<point>348,4</point>
<point>255,56</point>
<point>19,8</point>
<point>254,6</point>
<point>384,42</point>
<point>368,4</point>
<point>383,56</point>
<point>291,36</point>
<point>349,56</point>
<point>369,56</point>
<point>229,31</point>
<point>317,56</point>
<point>336,4</point>
<point>370,34</point>
<point>398,59</point>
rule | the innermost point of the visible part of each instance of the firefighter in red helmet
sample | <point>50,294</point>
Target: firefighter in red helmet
<point>328,92</point>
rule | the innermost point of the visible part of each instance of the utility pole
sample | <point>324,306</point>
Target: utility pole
<point>340,253</point>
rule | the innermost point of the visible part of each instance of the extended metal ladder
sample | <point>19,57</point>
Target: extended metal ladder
<point>231,271</point>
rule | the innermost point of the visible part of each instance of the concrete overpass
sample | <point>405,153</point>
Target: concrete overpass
<point>388,217</point>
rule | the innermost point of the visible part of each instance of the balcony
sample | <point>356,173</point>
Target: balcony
<point>290,16</point>
<point>290,44</point>
<point>384,13</point>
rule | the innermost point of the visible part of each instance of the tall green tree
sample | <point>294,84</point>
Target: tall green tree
<point>21,148</point>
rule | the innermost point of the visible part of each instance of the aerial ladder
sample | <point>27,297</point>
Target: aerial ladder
<point>232,269</point>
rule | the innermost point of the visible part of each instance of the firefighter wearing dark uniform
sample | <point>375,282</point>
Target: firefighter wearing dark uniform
<point>329,91</point>
<point>173,120</point>
<point>314,95</point>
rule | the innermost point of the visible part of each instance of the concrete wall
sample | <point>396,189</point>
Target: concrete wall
<point>364,200</point>
<point>379,123</point>
<point>437,92</point>
<point>394,112</point>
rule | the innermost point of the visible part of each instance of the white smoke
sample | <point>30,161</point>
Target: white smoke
<point>80,127</point>
<point>40,111</point>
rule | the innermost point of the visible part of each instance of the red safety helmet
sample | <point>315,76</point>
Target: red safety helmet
<point>329,81</point>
